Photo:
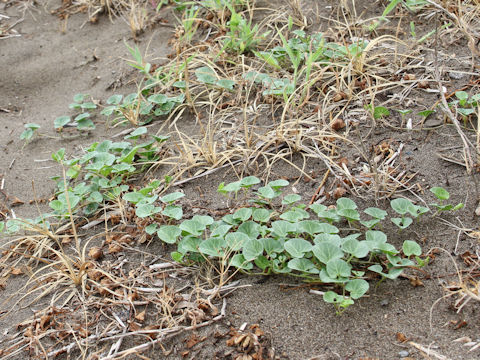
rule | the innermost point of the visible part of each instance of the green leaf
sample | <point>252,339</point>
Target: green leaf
<point>158,99</point>
<point>333,239</point>
<point>272,246</point>
<point>250,228</point>
<point>295,215</point>
<point>177,256</point>
<point>81,117</point>
<point>291,199</point>
<point>346,203</point>
<point>85,124</point>
<point>328,229</point>
<point>152,228</point>
<point>297,247</point>
<point>136,133</point>
<point>426,113</point>
<point>338,268</point>
<point>282,228</point>
<point>192,227</point>
<point>238,261</point>
<point>236,240</point>
<point>401,205</point>
<point>370,224</point>
<point>310,227</point>
<point>252,249</point>
<point>206,75</point>
<point>133,197</point>
<point>326,251</point>
<point>145,210</point>
<point>261,215</point>
<point>332,297</point>
<point>220,230</point>
<point>440,193</point>
<point>59,155</point>
<point>203,219</point>
<point>172,197</point>
<point>277,184</point>
<point>262,262</point>
<point>380,111</point>
<point>411,248</point>
<point>78,98</point>
<point>169,233</point>
<point>189,244</point>
<point>212,247</point>
<point>349,214</point>
<point>232,187</point>
<point>359,249</point>
<point>357,288</point>
<point>402,223</point>
<point>376,213</point>
<point>266,192</point>
<point>249,181</point>
<point>226,84</point>
<point>114,99</point>
<point>61,121</point>
<point>243,214</point>
<point>302,265</point>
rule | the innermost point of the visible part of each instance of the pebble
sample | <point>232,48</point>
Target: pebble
<point>384,302</point>
<point>403,353</point>
<point>456,75</point>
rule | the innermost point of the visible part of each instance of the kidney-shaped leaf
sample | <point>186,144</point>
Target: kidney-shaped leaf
<point>297,247</point>
<point>357,288</point>
<point>326,251</point>
<point>169,233</point>
<point>252,249</point>
<point>338,268</point>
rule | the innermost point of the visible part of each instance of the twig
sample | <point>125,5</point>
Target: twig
<point>427,351</point>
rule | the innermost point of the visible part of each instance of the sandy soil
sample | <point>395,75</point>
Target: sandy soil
<point>42,69</point>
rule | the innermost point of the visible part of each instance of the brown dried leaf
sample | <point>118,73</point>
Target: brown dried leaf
<point>140,316</point>
<point>415,281</point>
<point>95,253</point>
<point>337,124</point>
<point>339,192</point>
<point>401,337</point>
<point>114,248</point>
<point>16,271</point>
<point>192,341</point>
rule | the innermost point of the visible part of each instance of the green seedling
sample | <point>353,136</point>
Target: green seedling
<point>443,195</point>
<point>241,36</point>
<point>29,132</point>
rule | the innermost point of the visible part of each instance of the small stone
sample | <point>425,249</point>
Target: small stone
<point>384,302</point>
<point>456,75</point>
<point>403,353</point>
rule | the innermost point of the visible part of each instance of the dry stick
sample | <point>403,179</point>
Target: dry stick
<point>428,351</point>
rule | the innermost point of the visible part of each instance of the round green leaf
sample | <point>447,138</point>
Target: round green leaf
<point>212,247</point>
<point>252,249</point>
<point>297,247</point>
<point>170,198</point>
<point>250,228</point>
<point>401,205</point>
<point>173,211</point>
<point>282,228</point>
<point>192,227</point>
<point>411,248</point>
<point>169,233</point>
<point>236,240</point>
<point>302,265</point>
<point>440,193</point>
<point>326,251</point>
<point>357,288</point>
<point>243,214</point>
<point>338,268</point>
<point>376,213</point>
<point>261,215</point>
<point>346,203</point>
<point>61,121</point>
<point>359,249</point>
